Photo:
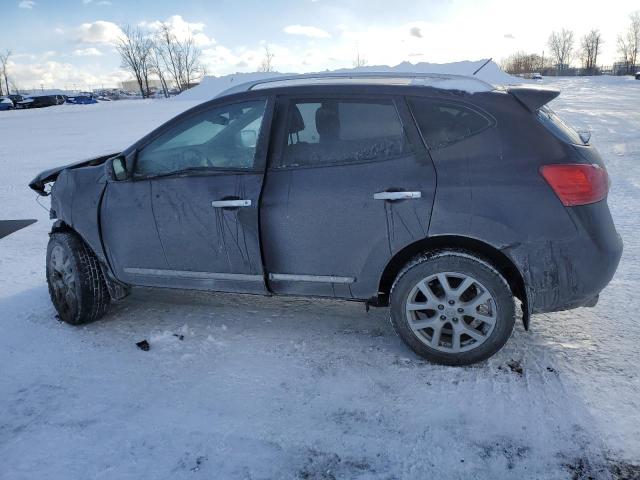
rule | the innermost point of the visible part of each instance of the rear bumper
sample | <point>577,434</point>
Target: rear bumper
<point>561,274</point>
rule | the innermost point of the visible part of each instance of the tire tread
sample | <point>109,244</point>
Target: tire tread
<point>93,295</point>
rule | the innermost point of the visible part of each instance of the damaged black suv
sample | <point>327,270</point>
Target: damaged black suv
<point>442,197</point>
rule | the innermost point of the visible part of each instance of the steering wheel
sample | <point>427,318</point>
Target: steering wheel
<point>193,157</point>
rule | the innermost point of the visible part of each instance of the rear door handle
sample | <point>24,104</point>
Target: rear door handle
<point>230,203</point>
<point>396,195</point>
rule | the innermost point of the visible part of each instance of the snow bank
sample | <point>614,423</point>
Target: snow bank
<point>491,73</point>
<point>210,87</point>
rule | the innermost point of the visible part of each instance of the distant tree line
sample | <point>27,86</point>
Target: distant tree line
<point>564,49</point>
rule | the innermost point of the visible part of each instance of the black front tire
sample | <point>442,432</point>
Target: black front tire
<point>76,285</point>
<point>465,263</point>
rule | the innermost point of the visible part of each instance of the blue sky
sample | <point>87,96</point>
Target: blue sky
<point>66,43</point>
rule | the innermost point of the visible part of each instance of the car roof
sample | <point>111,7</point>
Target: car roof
<point>389,79</point>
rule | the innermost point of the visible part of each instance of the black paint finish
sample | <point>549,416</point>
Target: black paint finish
<point>324,222</point>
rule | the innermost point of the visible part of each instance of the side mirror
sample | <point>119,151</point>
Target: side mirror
<point>248,138</point>
<point>116,169</point>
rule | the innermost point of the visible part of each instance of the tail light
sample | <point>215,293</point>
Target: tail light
<point>577,184</point>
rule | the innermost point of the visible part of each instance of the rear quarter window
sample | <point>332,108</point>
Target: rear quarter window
<point>445,123</point>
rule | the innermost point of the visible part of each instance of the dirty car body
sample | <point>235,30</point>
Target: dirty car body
<point>333,189</point>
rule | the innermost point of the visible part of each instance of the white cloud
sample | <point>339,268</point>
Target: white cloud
<point>307,31</point>
<point>37,70</point>
<point>87,52</point>
<point>181,29</point>
<point>29,4</point>
<point>100,2</point>
<point>415,32</point>
<point>34,57</point>
<point>59,31</point>
<point>99,32</point>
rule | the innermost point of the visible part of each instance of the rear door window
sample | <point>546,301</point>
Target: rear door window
<point>442,123</point>
<point>335,131</point>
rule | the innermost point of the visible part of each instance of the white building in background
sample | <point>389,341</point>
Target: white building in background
<point>132,85</point>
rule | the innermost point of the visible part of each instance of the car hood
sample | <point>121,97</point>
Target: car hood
<point>48,176</point>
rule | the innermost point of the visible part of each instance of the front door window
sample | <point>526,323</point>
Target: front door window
<point>220,138</point>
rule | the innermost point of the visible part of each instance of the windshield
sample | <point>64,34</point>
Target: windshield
<point>558,127</point>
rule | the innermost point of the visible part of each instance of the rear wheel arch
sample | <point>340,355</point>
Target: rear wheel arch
<point>495,257</point>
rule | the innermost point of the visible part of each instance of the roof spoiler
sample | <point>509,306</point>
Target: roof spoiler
<point>533,97</point>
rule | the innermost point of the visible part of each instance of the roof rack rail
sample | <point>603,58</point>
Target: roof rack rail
<point>337,77</point>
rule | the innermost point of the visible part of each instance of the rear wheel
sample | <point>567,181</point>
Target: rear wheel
<point>452,308</point>
<point>76,284</point>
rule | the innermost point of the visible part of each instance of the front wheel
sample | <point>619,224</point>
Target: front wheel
<point>76,284</point>
<point>452,308</point>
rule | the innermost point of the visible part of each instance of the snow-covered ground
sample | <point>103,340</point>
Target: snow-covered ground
<point>266,388</point>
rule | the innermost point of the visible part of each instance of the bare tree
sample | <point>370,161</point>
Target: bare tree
<point>522,62</point>
<point>156,67</point>
<point>359,61</point>
<point>625,49</point>
<point>561,45</point>
<point>589,49</point>
<point>266,65</point>
<point>629,42</point>
<point>191,58</point>
<point>168,51</point>
<point>4,64</point>
<point>14,87</point>
<point>135,49</point>
<point>180,58</point>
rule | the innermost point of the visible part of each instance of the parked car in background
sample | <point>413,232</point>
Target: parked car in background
<point>637,75</point>
<point>15,98</point>
<point>325,185</point>
<point>6,103</point>
<point>81,100</point>
<point>24,103</point>
<point>536,76</point>
<point>40,101</point>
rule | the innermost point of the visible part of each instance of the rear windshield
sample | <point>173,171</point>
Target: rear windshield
<point>559,128</point>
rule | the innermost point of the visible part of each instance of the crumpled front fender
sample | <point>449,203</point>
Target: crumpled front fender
<point>51,175</point>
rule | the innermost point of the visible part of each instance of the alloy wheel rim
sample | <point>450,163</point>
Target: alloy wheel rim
<point>62,280</point>
<point>451,312</point>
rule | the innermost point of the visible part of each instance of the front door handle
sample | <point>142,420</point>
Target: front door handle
<point>396,195</point>
<point>230,203</point>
